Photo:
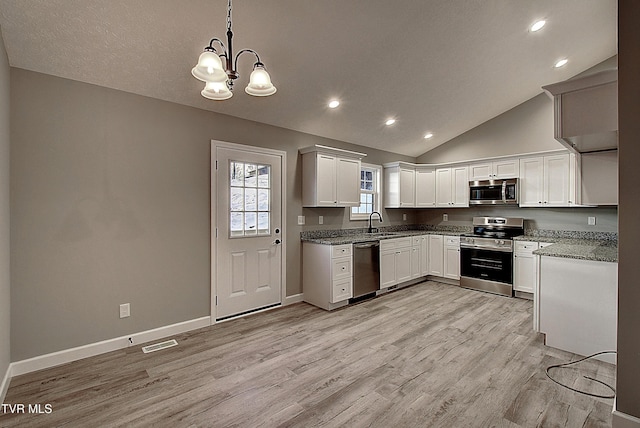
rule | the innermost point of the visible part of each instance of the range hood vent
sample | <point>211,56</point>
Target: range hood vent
<point>586,111</point>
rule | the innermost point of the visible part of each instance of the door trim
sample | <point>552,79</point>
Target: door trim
<point>215,144</point>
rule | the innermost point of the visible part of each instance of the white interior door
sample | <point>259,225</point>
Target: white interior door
<point>248,232</point>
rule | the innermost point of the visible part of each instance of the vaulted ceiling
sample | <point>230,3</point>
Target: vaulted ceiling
<point>440,66</point>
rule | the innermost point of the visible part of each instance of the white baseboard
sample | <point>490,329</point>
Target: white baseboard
<point>622,420</point>
<point>68,355</point>
<point>296,298</point>
<point>4,386</point>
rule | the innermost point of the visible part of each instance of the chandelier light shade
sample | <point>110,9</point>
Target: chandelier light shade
<point>209,68</point>
<point>219,76</point>
<point>216,91</point>
<point>260,82</point>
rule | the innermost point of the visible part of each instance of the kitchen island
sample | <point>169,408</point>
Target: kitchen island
<point>578,295</point>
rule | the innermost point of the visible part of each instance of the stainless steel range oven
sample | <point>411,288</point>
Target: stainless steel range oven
<point>486,256</point>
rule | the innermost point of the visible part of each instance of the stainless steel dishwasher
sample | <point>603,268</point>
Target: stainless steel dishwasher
<point>366,268</point>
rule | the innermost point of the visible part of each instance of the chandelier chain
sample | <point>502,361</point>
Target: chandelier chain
<point>229,16</point>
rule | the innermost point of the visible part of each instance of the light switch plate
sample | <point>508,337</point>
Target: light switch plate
<point>125,310</point>
<point>320,219</point>
<point>591,221</point>
<point>404,217</point>
<point>300,220</point>
<point>445,217</point>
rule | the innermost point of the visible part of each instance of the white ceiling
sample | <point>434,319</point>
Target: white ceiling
<point>443,66</point>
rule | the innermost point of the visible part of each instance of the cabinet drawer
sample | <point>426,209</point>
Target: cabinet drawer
<point>341,268</point>
<point>402,242</point>
<point>341,290</point>
<point>452,241</point>
<point>340,250</point>
<point>525,247</point>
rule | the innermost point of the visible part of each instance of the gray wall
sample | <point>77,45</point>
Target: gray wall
<point>524,129</point>
<point>5,279</point>
<point>535,218</point>
<point>628,376</point>
<point>111,202</point>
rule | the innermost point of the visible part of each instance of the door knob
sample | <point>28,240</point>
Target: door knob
<point>277,241</point>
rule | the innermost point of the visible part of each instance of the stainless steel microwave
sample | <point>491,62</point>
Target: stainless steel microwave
<point>494,192</point>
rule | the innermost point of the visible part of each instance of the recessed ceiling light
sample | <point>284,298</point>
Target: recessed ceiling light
<point>561,63</point>
<point>538,25</point>
<point>428,135</point>
<point>334,103</point>
<point>390,122</point>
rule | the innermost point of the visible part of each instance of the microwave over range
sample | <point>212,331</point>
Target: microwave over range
<point>494,192</point>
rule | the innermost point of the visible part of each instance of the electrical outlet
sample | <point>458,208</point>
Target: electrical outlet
<point>445,217</point>
<point>591,221</point>
<point>320,219</point>
<point>125,310</point>
<point>404,217</point>
<point>300,220</point>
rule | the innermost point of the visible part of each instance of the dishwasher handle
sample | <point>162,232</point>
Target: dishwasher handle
<point>364,245</point>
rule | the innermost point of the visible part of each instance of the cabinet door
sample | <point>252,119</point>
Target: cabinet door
<point>480,171</point>
<point>460,186</point>
<point>425,187</point>
<point>407,187</point>
<point>416,256</point>
<point>452,262</point>
<point>556,180</point>
<point>524,272</point>
<point>443,187</point>
<point>403,264</point>
<point>326,180</point>
<point>387,268</point>
<point>348,182</point>
<point>436,250</point>
<point>508,168</point>
<point>531,182</point>
<point>424,256</point>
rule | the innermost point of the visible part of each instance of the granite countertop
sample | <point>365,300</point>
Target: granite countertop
<point>337,238</point>
<point>596,246</point>
<point>582,249</point>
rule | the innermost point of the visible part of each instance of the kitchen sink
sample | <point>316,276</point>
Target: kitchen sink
<point>380,234</point>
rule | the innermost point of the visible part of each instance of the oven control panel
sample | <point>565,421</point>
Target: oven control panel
<point>487,243</point>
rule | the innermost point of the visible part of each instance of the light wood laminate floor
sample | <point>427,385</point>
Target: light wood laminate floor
<point>430,355</point>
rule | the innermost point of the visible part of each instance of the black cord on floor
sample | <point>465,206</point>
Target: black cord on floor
<point>586,377</point>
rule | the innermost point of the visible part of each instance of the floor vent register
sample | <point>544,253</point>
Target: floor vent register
<point>159,346</point>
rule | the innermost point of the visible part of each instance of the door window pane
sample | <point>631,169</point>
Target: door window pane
<point>249,199</point>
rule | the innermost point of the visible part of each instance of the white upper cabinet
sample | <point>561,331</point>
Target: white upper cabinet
<point>399,185</point>
<point>425,187</point>
<point>452,187</point>
<point>330,177</point>
<point>505,168</point>
<point>549,181</point>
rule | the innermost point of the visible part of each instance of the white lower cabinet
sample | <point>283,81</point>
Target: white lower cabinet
<point>327,274</point>
<point>416,257</point>
<point>525,266</point>
<point>404,259</point>
<point>451,257</point>
<point>436,255</point>
<point>395,261</point>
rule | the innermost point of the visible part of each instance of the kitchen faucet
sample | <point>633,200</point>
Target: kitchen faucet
<point>371,215</point>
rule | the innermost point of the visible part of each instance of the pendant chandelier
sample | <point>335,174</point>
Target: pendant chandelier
<point>219,80</point>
